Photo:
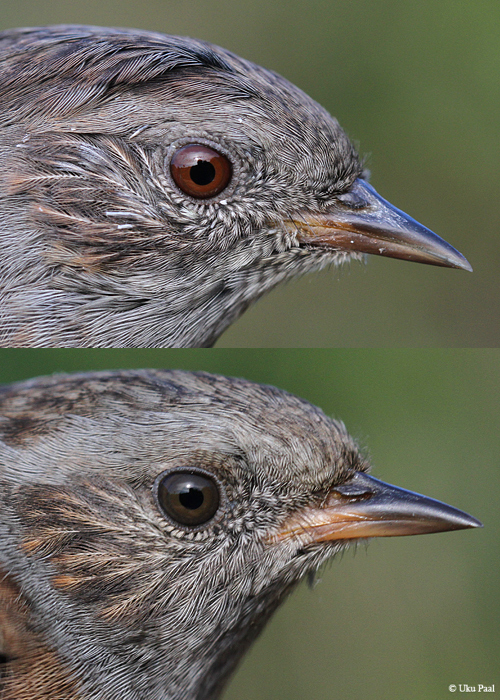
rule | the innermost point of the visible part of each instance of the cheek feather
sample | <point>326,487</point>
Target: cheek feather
<point>31,671</point>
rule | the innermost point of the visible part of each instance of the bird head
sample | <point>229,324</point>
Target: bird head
<point>152,521</point>
<point>156,186</point>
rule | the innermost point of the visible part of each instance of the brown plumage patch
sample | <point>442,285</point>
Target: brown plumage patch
<point>100,546</point>
<point>95,198</point>
<point>30,670</point>
<point>17,430</point>
<point>36,410</point>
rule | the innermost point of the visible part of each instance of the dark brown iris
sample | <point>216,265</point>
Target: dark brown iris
<point>188,498</point>
<point>200,171</point>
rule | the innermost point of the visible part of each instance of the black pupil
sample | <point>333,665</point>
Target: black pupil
<point>192,498</point>
<point>203,173</point>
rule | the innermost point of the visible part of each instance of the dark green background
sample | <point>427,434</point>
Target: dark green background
<point>405,617</point>
<point>416,85</point>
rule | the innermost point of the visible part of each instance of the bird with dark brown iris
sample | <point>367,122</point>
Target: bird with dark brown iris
<point>152,521</point>
<point>152,187</point>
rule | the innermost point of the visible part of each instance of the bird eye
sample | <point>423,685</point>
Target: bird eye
<point>188,498</point>
<point>200,171</point>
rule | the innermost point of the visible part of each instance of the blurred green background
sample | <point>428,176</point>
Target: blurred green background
<point>405,617</point>
<point>416,85</point>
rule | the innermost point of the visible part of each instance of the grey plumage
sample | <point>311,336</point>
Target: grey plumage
<point>99,247</point>
<point>105,597</point>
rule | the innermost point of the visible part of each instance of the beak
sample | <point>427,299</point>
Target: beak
<point>367,507</point>
<point>361,221</point>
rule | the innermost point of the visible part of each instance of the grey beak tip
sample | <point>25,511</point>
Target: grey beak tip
<point>455,519</point>
<point>475,522</point>
<point>464,264</point>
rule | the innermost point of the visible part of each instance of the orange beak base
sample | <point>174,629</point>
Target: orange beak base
<point>367,507</point>
<point>361,221</point>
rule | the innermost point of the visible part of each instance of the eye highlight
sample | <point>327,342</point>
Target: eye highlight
<point>188,498</point>
<point>200,171</point>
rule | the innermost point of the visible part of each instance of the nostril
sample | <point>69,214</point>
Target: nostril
<point>354,198</point>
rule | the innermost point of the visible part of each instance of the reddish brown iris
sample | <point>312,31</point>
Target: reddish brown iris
<point>200,171</point>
